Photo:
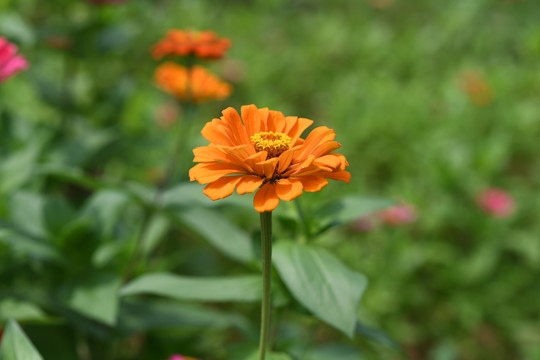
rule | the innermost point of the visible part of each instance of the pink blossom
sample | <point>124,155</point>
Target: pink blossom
<point>10,62</point>
<point>496,202</point>
<point>364,224</point>
<point>398,215</point>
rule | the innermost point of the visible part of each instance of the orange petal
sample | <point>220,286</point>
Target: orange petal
<point>263,112</point>
<point>288,189</point>
<point>329,161</point>
<point>339,175</point>
<point>313,183</point>
<point>206,173</point>
<point>252,119</point>
<point>269,167</point>
<point>213,132</point>
<point>235,122</point>
<point>297,127</point>
<point>210,154</point>
<point>248,184</point>
<point>266,198</point>
<point>285,160</point>
<point>276,121</point>
<point>317,136</point>
<point>326,148</point>
<point>221,188</point>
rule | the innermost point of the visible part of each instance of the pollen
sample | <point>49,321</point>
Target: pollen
<point>274,142</point>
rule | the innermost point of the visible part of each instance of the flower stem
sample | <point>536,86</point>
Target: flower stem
<point>266,245</point>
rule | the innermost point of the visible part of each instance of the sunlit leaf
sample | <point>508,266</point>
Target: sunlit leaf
<point>320,282</point>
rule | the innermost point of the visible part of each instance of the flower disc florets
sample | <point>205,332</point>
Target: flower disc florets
<point>274,143</point>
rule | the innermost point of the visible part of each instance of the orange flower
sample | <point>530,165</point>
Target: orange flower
<point>263,150</point>
<point>203,44</point>
<point>195,84</point>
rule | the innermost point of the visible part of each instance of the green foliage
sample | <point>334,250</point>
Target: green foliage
<point>101,256</point>
<point>16,345</point>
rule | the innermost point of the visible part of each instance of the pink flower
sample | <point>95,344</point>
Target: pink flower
<point>364,224</point>
<point>10,62</point>
<point>496,202</point>
<point>398,215</point>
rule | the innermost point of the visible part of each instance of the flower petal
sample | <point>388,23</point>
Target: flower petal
<point>235,122</point>
<point>312,183</point>
<point>222,187</point>
<point>317,136</point>
<point>214,133</point>
<point>266,198</point>
<point>248,184</point>
<point>252,119</point>
<point>206,173</point>
<point>288,189</point>
<point>338,175</point>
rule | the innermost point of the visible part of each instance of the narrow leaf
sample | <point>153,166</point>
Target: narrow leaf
<point>238,288</point>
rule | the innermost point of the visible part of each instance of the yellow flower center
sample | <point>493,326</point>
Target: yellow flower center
<point>273,142</point>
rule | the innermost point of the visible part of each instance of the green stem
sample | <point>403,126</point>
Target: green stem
<point>266,239</point>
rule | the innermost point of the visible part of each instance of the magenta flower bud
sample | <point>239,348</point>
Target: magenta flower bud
<point>10,62</point>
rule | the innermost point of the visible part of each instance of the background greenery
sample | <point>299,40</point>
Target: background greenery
<point>81,151</point>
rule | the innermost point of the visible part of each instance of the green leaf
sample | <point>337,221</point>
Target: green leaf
<point>348,209</point>
<point>96,297</point>
<point>19,310</point>
<point>106,207</point>
<point>220,232</point>
<point>238,288</point>
<point>142,314</point>
<point>155,231</point>
<point>321,283</point>
<point>16,345</point>
<point>27,244</point>
<point>376,335</point>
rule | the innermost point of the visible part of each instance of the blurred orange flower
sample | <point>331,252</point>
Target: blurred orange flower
<point>478,90</point>
<point>203,44</point>
<point>194,85</point>
<point>263,150</point>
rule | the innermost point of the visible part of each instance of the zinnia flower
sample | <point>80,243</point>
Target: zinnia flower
<point>10,62</point>
<point>478,90</point>
<point>195,84</point>
<point>263,150</point>
<point>203,44</point>
<point>496,202</point>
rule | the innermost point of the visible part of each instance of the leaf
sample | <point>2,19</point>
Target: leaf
<point>96,297</point>
<point>16,345</point>
<point>105,208</point>
<point>155,231</point>
<point>27,244</point>
<point>220,232</point>
<point>139,315</point>
<point>321,283</point>
<point>19,310</point>
<point>18,168</point>
<point>376,335</point>
<point>27,212</point>
<point>348,209</point>
<point>238,288</point>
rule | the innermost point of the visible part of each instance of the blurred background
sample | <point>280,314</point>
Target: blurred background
<point>436,103</point>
